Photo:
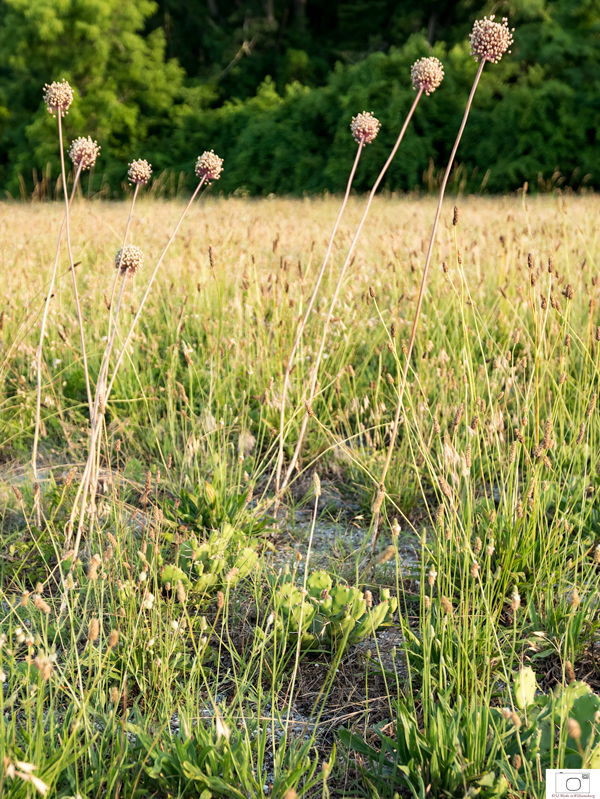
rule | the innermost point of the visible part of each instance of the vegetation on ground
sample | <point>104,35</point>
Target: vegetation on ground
<point>175,620</point>
<point>117,683</point>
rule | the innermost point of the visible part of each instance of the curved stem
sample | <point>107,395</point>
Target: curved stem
<point>147,292</point>
<point>114,285</point>
<point>102,377</point>
<point>38,407</point>
<point>96,427</point>
<point>424,279</point>
<point>288,369</point>
<point>313,382</point>
<point>77,304</point>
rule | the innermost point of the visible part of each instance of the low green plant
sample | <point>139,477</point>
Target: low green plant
<point>206,508</point>
<point>205,566</point>
<point>455,752</point>
<point>218,758</point>
<point>329,616</point>
<point>560,729</point>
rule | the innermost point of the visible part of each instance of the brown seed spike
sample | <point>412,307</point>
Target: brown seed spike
<point>591,406</point>
<point>455,218</point>
<point>568,291</point>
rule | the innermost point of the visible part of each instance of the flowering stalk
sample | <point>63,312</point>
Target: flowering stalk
<point>426,74</point>
<point>489,41</point>
<point>114,285</point>
<point>75,291</point>
<point>38,407</point>
<point>208,168</point>
<point>362,140</point>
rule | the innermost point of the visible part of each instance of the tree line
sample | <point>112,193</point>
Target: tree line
<point>272,85</point>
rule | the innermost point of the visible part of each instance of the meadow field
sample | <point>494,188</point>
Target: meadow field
<point>437,636</point>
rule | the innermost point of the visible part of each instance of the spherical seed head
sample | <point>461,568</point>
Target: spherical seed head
<point>139,171</point>
<point>84,151</point>
<point>58,97</point>
<point>427,74</point>
<point>490,40</point>
<point>365,127</point>
<point>209,166</point>
<point>129,259</point>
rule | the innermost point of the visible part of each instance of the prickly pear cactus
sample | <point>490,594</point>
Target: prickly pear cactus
<point>573,711</point>
<point>204,567</point>
<point>332,615</point>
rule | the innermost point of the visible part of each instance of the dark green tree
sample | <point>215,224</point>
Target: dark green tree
<point>127,94</point>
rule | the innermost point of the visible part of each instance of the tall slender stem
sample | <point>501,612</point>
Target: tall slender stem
<point>147,292</point>
<point>102,377</point>
<point>112,318</point>
<point>317,363</point>
<point>77,304</point>
<point>38,407</point>
<point>127,226</point>
<point>288,368</point>
<point>82,496</point>
<point>424,282</point>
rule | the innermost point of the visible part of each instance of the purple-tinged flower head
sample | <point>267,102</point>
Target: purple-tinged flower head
<point>129,259</point>
<point>490,40</point>
<point>139,171</point>
<point>365,127</point>
<point>58,97</point>
<point>84,152</point>
<point>209,166</point>
<point>427,74</point>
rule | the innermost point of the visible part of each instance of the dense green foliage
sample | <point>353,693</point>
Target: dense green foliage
<point>271,85</point>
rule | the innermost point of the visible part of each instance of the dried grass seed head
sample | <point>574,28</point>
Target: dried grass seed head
<point>129,259</point>
<point>446,605</point>
<point>209,166</point>
<point>427,74</point>
<point>84,152</point>
<point>365,127</point>
<point>139,171</point>
<point>490,40</point>
<point>58,96</point>
<point>93,630</point>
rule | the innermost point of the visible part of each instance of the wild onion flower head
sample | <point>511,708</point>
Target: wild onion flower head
<point>129,259</point>
<point>490,40</point>
<point>365,127</point>
<point>209,166</point>
<point>84,151</point>
<point>139,171</point>
<point>427,74</point>
<point>58,97</point>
